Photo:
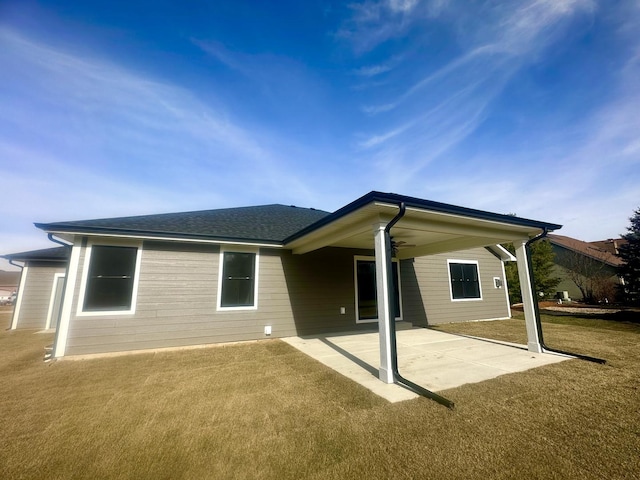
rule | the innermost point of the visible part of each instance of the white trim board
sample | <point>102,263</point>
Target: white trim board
<point>16,310</point>
<point>52,299</point>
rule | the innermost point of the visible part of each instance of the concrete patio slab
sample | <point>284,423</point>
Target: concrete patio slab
<point>432,359</point>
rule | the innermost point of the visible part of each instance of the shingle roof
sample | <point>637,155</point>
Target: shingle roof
<point>271,224</point>
<point>586,249</point>
<point>56,254</point>
<point>265,223</point>
<point>612,245</point>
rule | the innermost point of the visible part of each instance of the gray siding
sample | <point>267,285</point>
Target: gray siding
<point>427,294</point>
<point>37,295</point>
<point>177,302</point>
<point>297,295</point>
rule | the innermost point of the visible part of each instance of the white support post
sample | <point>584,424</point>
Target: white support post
<point>528,298</point>
<point>382,288</point>
<point>18,304</point>
<point>62,331</point>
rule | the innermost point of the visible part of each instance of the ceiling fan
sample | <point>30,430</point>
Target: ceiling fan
<point>398,244</point>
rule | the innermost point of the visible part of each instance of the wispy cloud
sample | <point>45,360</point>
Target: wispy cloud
<point>448,104</point>
<point>375,21</point>
<point>373,70</point>
<point>87,138</point>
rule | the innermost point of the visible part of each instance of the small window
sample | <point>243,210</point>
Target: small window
<point>110,279</point>
<point>465,281</point>
<point>238,282</point>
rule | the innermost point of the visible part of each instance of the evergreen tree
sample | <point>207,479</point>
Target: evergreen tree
<point>630,253</point>
<point>542,264</point>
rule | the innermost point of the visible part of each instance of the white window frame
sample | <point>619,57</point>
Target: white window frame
<point>238,249</point>
<point>85,274</point>
<point>468,262</point>
<point>355,283</point>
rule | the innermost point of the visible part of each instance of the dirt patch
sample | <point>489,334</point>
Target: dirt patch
<point>605,312</point>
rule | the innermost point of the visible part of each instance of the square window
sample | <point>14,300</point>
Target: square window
<point>238,282</point>
<point>465,282</point>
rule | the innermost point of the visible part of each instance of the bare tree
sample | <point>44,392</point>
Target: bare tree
<point>591,274</point>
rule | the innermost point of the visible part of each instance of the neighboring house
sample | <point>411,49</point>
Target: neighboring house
<point>588,270</point>
<point>8,286</point>
<point>40,292</point>
<point>273,271</point>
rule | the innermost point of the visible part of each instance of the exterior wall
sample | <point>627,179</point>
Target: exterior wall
<point>297,295</point>
<point>566,285</point>
<point>36,294</point>
<point>177,304</point>
<point>427,291</point>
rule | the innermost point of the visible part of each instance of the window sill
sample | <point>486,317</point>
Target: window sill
<point>102,313</point>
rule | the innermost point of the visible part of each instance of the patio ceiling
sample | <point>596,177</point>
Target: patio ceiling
<point>422,231</point>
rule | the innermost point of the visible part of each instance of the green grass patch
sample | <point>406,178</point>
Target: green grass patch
<point>265,410</point>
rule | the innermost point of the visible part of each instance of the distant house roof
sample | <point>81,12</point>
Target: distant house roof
<point>585,248</point>
<point>265,223</point>
<point>56,254</point>
<point>611,245</point>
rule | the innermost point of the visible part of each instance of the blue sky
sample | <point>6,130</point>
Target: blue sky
<point>123,108</point>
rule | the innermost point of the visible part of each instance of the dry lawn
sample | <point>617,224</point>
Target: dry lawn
<point>264,410</point>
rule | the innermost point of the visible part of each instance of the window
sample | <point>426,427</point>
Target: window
<point>110,279</point>
<point>465,281</point>
<point>366,290</point>
<point>238,280</point>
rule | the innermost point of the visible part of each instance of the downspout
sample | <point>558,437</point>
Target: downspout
<point>536,309</point>
<point>391,315</point>
<point>64,286</point>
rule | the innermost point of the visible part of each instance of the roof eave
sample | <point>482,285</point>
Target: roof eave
<point>61,229</point>
<point>395,199</point>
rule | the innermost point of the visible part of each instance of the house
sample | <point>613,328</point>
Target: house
<point>588,270</point>
<point>8,286</point>
<point>248,273</point>
<point>39,296</point>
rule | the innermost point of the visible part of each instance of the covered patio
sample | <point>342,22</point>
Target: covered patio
<point>436,360</point>
<point>397,226</point>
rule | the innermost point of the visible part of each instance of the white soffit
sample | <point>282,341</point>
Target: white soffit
<point>422,231</point>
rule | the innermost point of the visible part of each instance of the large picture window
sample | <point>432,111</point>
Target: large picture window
<point>110,279</point>
<point>465,281</point>
<point>366,290</point>
<point>238,280</point>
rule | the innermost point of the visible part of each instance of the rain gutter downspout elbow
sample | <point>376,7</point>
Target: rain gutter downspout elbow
<point>11,262</point>
<point>536,308</point>
<point>392,324</point>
